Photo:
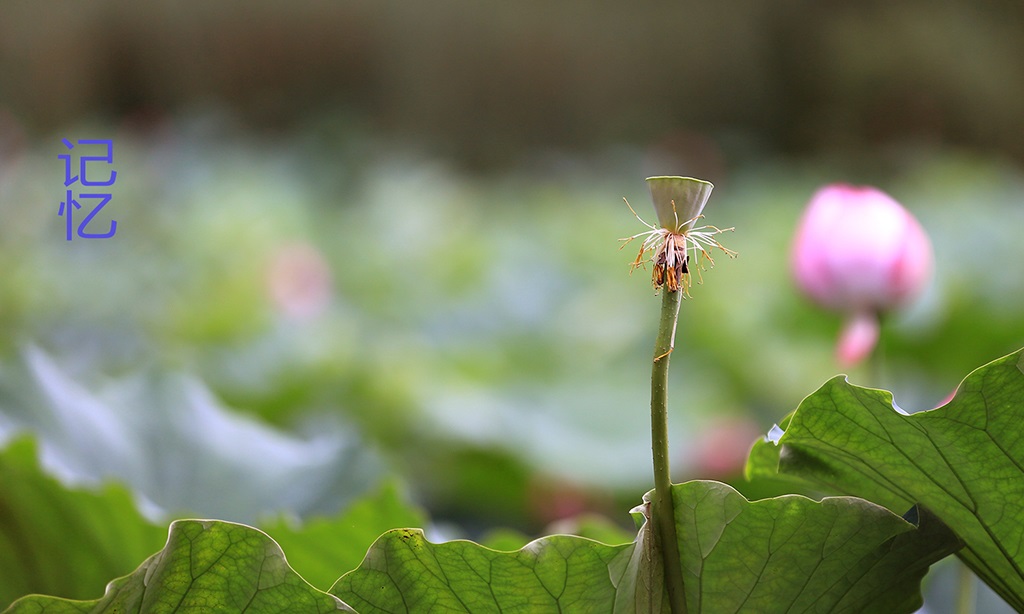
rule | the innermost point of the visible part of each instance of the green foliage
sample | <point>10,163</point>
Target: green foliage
<point>957,467</point>
<point>513,355</point>
<point>64,542</point>
<point>206,566</point>
<point>841,554</point>
<point>404,572</point>
<point>69,542</point>
<point>964,461</point>
<point>321,548</point>
<point>514,336</point>
<point>790,553</point>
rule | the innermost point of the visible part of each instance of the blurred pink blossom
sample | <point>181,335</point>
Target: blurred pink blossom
<point>859,252</point>
<point>721,448</point>
<point>299,281</point>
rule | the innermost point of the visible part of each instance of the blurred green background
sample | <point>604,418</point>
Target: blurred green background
<point>366,241</point>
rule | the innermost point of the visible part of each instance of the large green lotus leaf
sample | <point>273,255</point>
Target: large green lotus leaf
<point>206,566</point>
<point>61,541</point>
<point>321,549</point>
<point>403,572</point>
<point>793,554</point>
<point>963,461</point>
<point>777,555</point>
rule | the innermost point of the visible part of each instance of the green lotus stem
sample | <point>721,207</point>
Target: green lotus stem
<point>678,201</point>
<point>964,588</point>
<point>662,508</point>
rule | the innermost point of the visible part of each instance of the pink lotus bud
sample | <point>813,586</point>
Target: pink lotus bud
<point>860,252</point>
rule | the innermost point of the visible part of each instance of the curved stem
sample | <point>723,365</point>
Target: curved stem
<point>662,509</point>
<point>964,588</point>
<point>876,359</point>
